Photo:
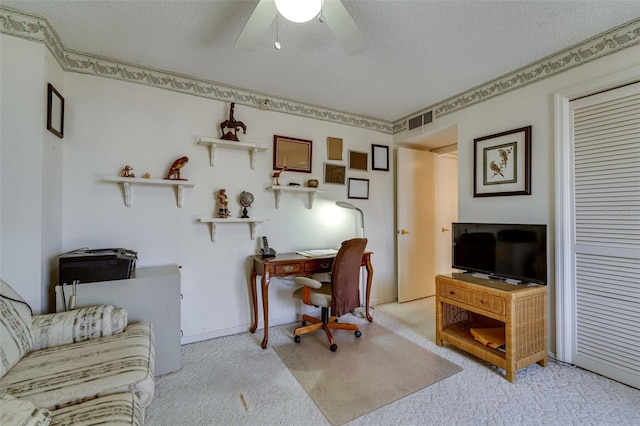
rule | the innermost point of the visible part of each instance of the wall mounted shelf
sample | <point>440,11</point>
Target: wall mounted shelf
<point>279,189</point>
<point>127,182</point>
<point>214,221</point>
<point>214,144</point>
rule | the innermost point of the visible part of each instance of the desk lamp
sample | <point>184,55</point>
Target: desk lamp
<point>350,206</point>
<point>360,311</point>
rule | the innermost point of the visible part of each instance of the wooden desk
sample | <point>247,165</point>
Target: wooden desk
<point>285,264</point>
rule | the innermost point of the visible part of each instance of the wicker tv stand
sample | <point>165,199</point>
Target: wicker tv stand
<point>464,301</point>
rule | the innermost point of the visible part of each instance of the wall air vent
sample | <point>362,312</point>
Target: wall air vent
<point>420,120</point>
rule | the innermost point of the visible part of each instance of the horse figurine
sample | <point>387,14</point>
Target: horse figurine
<point>231,123</point>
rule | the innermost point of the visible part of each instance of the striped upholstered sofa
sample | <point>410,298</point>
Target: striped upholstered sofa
<point>81,367</point>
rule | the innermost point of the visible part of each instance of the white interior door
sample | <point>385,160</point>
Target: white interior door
<point>606,156</point>
<point>416,223</point>
<point>447,208</point>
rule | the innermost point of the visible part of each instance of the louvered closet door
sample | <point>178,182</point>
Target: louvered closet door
<point>607,233</point>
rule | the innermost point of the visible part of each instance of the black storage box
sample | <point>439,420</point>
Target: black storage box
<point>87,266</point>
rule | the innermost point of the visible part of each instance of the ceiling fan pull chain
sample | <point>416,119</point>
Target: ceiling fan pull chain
<point>277,43</point>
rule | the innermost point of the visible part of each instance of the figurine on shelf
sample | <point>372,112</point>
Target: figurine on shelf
<point>223,210</point>
<point>232,124</point>
<point>128,171</point>
<point>276,175</point>
<point>147,175</point>
<point>175,168</point>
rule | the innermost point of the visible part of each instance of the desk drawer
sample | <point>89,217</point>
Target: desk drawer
<point>293,268</point>
<point>480,300</point>
<point>320,265</point>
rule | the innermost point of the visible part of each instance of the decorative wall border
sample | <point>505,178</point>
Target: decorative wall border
<point>37,29</point>
<point>603,44</point>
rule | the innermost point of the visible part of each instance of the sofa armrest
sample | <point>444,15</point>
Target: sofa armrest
<point>77,325</point>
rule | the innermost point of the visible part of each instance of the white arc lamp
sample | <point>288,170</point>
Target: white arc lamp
<point>350,206</point>
<point>299,10</point>
<point>359,311</point>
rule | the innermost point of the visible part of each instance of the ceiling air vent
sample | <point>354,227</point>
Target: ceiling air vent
<point>420,120</point>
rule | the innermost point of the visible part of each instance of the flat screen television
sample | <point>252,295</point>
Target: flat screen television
<point>501,250</point>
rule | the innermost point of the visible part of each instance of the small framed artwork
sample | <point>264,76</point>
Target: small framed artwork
<point>379,157</point>
<point>55,111</point>
<point>358,160</point>
<point>292,153</point>
<point>358,188</point>
<point>502,164</point>
<point>334,173</point>
<point>334,149</point>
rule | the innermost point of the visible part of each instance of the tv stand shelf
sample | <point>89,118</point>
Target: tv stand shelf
<point>464,302</point>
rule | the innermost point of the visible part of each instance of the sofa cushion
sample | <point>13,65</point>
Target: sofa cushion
<point>77,325</point>
<point>63,375</point>
<point>112,410</point>
<point>15,328</point>
<point>18,412</point>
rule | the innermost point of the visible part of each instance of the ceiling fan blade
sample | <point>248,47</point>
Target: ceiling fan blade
<point>257,25</point>
<point>343,27</point>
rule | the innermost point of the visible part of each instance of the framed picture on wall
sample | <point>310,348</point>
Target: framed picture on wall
<point>379,157</point>
<point>334,173</point>
<point>502,164</point>
<point>292,153</point>
<point>358,188</point>
<point>358,160</point>
<point>55,111</point>
<point>334,148</point>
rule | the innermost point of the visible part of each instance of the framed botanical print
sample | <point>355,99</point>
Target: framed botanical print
<point>502,164</point>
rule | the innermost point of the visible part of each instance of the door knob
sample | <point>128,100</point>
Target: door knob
<point>403,232</point>
<point>444,229</point>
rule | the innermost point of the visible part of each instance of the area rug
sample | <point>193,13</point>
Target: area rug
<point>365,373</point>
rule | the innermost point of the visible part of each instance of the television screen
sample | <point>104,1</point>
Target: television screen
<point>515,251</point>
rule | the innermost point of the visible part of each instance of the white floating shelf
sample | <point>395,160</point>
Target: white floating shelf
<point>127,182</point>
<point>214,221</point>
<point>214,144</point>
<point>278,189</point>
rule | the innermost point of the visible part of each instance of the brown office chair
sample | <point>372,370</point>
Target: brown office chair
<point>341,295</point>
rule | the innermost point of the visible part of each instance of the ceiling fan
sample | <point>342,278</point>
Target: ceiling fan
<point>330,12</point>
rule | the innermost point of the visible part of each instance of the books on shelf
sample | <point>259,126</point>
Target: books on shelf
<point>492,337</point>
<point>318,253</point>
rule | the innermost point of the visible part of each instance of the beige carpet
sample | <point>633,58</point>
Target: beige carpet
<point>365,373</point>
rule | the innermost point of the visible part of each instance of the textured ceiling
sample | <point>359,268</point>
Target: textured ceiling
<point>420,52</point>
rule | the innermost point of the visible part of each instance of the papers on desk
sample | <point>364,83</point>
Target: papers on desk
<point>318,253</point>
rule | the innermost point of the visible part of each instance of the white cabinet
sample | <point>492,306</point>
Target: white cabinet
<point>151,294</point>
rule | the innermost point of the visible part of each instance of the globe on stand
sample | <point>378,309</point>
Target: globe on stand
<point>246,199</point>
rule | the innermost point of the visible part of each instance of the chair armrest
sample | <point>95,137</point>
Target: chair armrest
<point>77,325</point>
<point>308,282</point>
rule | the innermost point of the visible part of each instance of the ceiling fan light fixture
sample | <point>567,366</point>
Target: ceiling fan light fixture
<point>299,10</point>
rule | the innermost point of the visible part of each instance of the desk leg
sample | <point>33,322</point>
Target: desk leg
<point>265,308</point>
<point>254,300</point>
<point>369,280</point>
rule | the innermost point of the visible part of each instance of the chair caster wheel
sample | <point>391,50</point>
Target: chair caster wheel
<point>358,333</point>
<point>333,347</point>
<point>297,339</point>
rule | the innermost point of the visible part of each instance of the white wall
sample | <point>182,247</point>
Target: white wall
<point>30,169</point>
<point>530,105</point>
<point>112,123</point>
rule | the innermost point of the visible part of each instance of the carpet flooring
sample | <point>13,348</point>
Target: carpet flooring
<point>215,374</point>
<point>365,373</point>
